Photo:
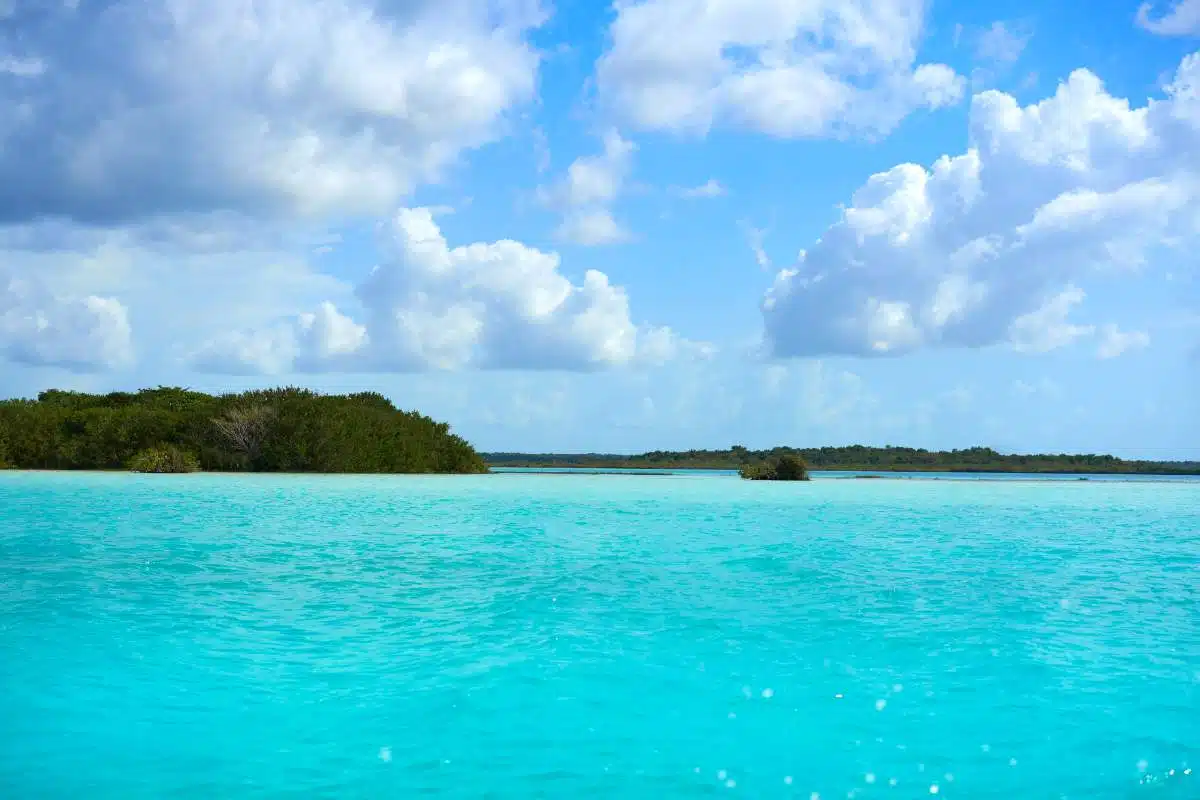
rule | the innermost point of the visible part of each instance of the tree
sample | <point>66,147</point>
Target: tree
<point>791,468</point>
<point>787,467</point>
<point>246,428</point>
<point>164,458</point>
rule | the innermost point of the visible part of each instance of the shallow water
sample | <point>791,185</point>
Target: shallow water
<point>531,636</point>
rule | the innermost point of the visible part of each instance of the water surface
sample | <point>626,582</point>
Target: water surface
<point>604,636</point>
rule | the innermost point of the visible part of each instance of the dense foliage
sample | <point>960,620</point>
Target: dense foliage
<point>785,468</point>
<point>856,457</point>
<point>164,458</point>
<point>274,430</point>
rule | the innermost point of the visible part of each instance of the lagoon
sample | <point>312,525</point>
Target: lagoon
<point>526,635</point>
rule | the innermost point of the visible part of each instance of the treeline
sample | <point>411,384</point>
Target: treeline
<point>273,430</point>
<point>856,457</point>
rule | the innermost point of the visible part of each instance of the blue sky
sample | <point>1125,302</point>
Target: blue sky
<point>618,227</point>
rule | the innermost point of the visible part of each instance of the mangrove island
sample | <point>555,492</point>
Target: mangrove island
<point>787,467</point>
<point>274,430</point>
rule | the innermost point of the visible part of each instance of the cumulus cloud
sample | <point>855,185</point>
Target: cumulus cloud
<point>40,328</point>
<point>988,246</point>
<point>1180,18</point>
<point>500,305</point>
<point>591,185</point>
<point>827,67</point>
<point>179,280</point>
<point>122,110</point>
<point>318,340</point>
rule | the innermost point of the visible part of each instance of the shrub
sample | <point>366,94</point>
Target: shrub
<point>164,458</point>
<point>785,468</point>
<point>791,468</point>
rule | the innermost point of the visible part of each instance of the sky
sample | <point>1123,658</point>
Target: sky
<point>651,224</point>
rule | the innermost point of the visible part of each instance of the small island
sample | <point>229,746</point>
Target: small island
<point>274,430</point>
<point>787,467</point>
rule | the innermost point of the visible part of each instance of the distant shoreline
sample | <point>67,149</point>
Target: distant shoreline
<point>853,474</point>
<point>854,458</point>
<point>595,468</point>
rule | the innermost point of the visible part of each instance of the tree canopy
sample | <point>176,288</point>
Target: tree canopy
<point>273,430</point>
<point>787,467</point>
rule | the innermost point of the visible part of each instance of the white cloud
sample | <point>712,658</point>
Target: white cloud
<point>270,351</point>
<point>661,345</point>
<point>787,69</point>
<point>831,395</point>
<point>755,238</point>
<point>816,395</point>
<point>1115,342</point>
<point>432,306</point>
<point>40,328</point>
<point>179,281</point>
<point>597,180</point>
<point>1181,18</point>
<point>591,185</point>
<point>318,340</point>
<point>175,162</point>
<point>1047,328</point>
<point>290,107</point>
<point>997,48</point>
<point>983,245</point>
<point>1001,43</point>
<point>710,188</point>
<point>592,227</point>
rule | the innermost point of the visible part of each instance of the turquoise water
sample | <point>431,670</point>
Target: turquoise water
<point>603,636</point>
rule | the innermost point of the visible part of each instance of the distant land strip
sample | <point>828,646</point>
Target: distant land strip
<point>855,458</point>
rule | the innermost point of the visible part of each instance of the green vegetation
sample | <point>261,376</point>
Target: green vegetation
<point>785,468</point>
<point>274,430</point>
<point>856,457</point>
<point>164,458</point>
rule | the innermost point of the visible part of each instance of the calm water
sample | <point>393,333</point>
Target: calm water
<point>600,636</point>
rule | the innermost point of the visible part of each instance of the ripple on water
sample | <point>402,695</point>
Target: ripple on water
<point>596,637</point>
